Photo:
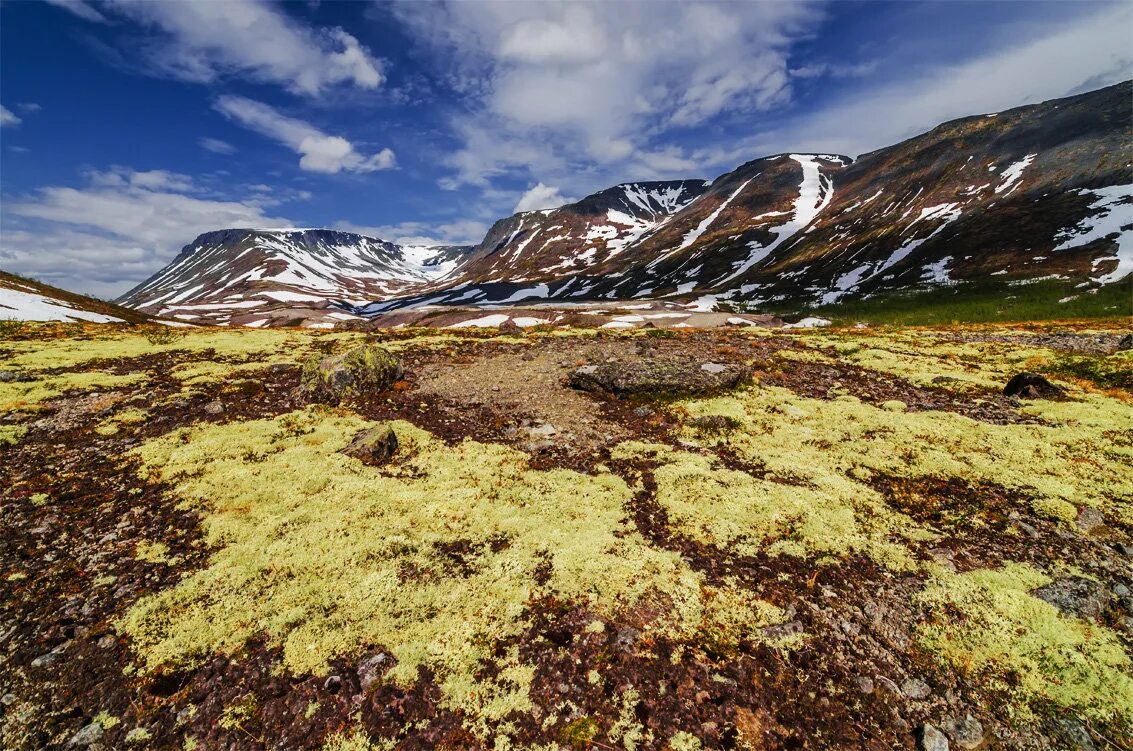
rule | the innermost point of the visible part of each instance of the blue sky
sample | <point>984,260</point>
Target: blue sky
<point>130,127</point>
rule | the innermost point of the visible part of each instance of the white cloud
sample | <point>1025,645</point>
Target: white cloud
<point>1078,56</point>
<point>216,146</point>
<point>595,84</point>
<point>7,117</point>
<point>80,9</point>
<point>116,230</point>
<point>459,232</point>
<point>203,41</point>
<point>541,196</point>
<point>318,151</point>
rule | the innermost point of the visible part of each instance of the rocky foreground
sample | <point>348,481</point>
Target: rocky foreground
<point>542,539</point>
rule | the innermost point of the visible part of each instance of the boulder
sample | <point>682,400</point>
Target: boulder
<point>1125,343</point>
<point>363,370</point>
<point>967,732</point>
<point>657,378</point>
<point>373,446</point>
<point>1031,386</point>
<point>1076,596</point>
<point>510,327</point>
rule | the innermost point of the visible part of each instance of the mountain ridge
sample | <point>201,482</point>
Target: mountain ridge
<point>1040,190</point>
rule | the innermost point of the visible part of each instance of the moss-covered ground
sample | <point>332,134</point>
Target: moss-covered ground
<point>865,538</point>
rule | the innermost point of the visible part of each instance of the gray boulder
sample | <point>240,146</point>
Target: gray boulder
<point>363,370</point>
<point>1076,596</point>
<point>652,377</point>
<point>1031,386</point>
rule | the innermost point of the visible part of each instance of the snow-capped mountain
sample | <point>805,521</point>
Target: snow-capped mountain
<point>1041,191</point>
<point>262,276</point>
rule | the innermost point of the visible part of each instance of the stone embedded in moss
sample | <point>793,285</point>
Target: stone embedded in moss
<point>362,370</point>
<point>989,624</point>
<point>373,446</point>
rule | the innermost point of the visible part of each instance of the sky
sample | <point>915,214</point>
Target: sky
<point>127,127</point>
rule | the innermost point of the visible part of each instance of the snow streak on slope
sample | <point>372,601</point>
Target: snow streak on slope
<point>16,305</point>
<point>815,193</point>
<point>1110,220</point>
<point>700,229</point>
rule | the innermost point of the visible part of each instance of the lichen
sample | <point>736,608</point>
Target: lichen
<point>988,625</point>
<point>327,556</point>
<point>25,395</point>
<point>10,435</point>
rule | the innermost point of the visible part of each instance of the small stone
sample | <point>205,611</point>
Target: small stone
<point>1089,519</point>
<point>107,642</point>
<point>510,327</point>
<point>45,660</point>
<point>643,411</point>
<point>864,684</point>
<point>215,407</point>
<point>374,446</point>
<point>544,430</point>
<point>915,688</point>
<point>782,630</point>
<point>14,376</point>
<point>333,683</point>
<point>8,699</point>
<point>967,733</point>
<point>1125,549</point>
<point>712,367</point>
<point>931,739</point>
<point>711,422</point>
<point>371,669</point>
<point>1079,738</point>
<point>887,685</point>
<point>87,735</point>
<point>1125,343</point>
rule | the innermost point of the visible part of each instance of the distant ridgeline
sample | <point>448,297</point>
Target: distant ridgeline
<point>1042,193</point>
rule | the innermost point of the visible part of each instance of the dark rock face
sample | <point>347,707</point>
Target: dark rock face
<point>510,327</point>
<point>1125,343</point>
<point>374,446</point>
<point>1076,596</point>
<point>1031,386</point>
<point>660,378</point>
<point>364,369</point>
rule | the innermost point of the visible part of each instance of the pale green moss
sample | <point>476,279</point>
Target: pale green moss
<point>327,556</point>
<point>356,741</point>
<point>152,552</point>
<point>10,435</point>
<point>1084,456</point>
<point>106,720</point>
<point>112,425</point>
<point>40,499</point>
<point>683,741</point>
<point>20,395</point>
<point>988,625</point>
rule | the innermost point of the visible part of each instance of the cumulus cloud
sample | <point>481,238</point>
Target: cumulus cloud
<point>118,228</point>
<point>599,83</point>
<point>203,41</point>
<point>457,232</point>
<point>7,117</point>
<point>318,151</point>
<point>541,196</point>
<point>216,146</point>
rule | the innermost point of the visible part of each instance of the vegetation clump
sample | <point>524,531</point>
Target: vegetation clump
<point>327,556</point>
<point>988,625</point>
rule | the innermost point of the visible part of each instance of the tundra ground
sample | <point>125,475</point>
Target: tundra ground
<point>865,540</point>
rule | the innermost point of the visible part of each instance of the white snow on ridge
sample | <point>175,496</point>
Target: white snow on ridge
<point>1114,217</point>
<point>16,305</point>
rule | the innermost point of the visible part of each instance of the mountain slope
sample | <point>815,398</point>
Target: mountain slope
<point>28,300</point>
<point>1041,191</point>
<point>279,275</point>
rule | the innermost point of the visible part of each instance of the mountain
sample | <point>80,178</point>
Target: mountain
<point>28,300</point>
<point>261,276</point>
<point>1037,192</point>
